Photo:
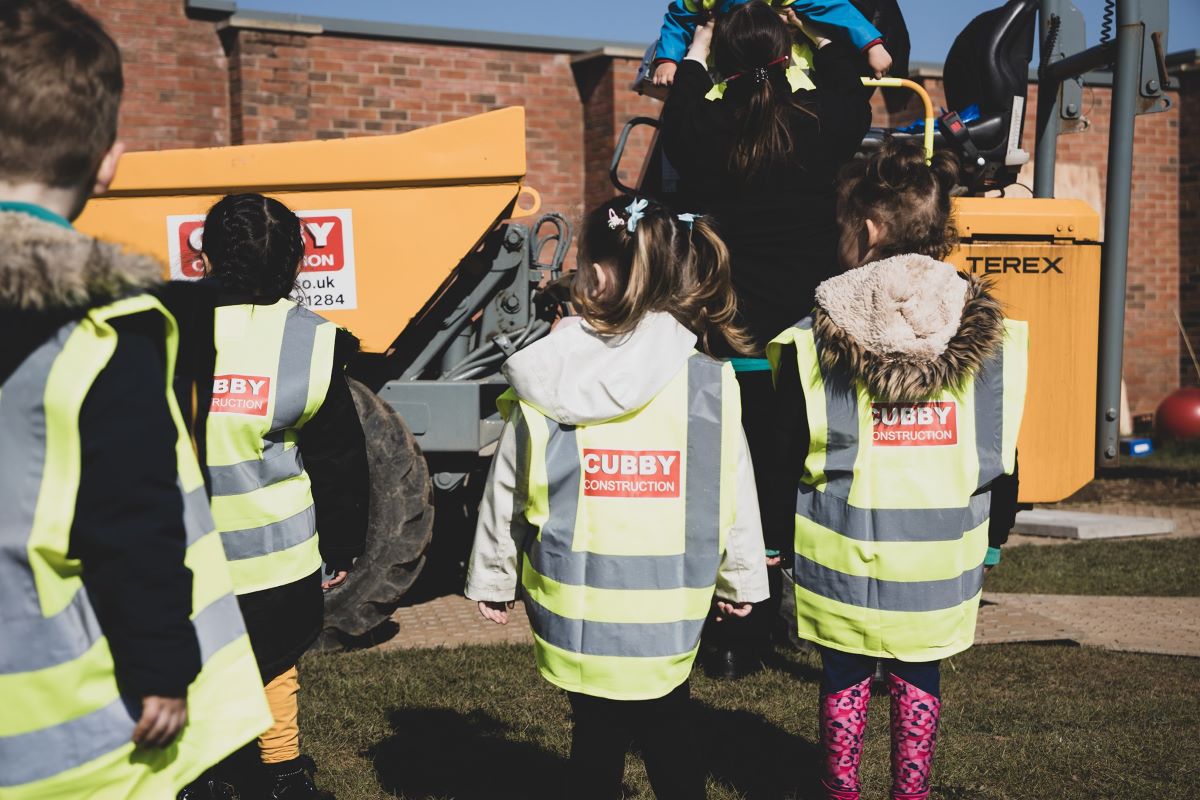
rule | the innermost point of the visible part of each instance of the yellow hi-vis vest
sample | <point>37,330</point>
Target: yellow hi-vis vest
<point>892,512</point>
<point>272,374</point>
<point>628,522</point>
<point>65,727</point>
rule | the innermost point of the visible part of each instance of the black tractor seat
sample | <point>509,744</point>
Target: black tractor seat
<point>988,66</point>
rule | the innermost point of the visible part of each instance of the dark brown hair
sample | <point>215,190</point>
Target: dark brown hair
<point>745,42</point>
<point>60,88</point>
<point>667,264</point>
<point>254,245</point>
<point>907,199</point>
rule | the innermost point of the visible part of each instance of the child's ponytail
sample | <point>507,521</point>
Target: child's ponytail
<point>637,256</point>
<point>752,47</point>
<point>708,305</point>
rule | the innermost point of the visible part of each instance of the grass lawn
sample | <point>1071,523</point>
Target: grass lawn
<point>1021,721</point>
<point>1156,568</point>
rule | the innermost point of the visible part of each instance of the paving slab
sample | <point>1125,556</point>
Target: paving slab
<point>1088,525</point>
<point>1163,625</point>
<point>454,621</point>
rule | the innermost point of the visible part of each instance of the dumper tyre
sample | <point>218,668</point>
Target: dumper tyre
<point>399,529</point>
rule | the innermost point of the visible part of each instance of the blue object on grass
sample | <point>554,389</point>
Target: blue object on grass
<point>1138,448</point>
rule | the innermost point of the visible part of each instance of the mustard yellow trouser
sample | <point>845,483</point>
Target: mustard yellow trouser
<point>281,742</point>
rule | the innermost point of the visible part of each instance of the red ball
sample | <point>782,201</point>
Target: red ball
<point>1178,416</point>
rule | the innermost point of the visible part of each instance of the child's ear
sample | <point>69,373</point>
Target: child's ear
<point>108,168</point>
<point>602,280</point>
<point>873,233</point>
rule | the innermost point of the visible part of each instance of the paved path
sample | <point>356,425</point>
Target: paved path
<point>1165,625</point>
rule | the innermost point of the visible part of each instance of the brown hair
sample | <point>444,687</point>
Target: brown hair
<point>60,88</point>
<point>748,43</point>
<point>677,266</point>
<point>908,199</point>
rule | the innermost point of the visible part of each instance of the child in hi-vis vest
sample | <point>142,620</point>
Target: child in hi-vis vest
<point>621,497</point>
<point>901,399</point>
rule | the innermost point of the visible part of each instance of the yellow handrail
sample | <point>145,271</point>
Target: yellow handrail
<point>930,120</point>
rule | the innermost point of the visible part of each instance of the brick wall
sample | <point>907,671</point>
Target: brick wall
<point>176,74</point>
<point>198,82</point>
<point>1189,220</point>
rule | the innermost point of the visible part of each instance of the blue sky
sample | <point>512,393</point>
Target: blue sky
<point>932,23</point>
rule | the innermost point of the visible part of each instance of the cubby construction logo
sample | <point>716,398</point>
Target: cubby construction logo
<point>631,473</point>
<point>914,424</point>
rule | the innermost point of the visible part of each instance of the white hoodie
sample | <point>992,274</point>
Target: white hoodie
<point>580,377</point>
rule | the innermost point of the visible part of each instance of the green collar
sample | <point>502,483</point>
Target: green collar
<point>38,212</point>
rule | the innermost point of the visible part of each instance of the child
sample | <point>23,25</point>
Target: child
<point>902,397</point>
<point>682,17</point>
<point>126,667</point>
<point>279,477</point>
<point>622,493</point>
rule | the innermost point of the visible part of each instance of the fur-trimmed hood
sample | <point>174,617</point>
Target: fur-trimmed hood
<point>909,327</point>
<point>48,268</point>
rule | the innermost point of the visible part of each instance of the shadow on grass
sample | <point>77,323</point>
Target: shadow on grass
<point>439,753</point>
<point>757,759</point>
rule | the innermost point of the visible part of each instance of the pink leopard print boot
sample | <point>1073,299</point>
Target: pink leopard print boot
<point>843,721</point>
<point>915,717</point>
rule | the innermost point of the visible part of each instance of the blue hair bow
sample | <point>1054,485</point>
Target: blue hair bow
<point>636,210</point>
<point>689,219</point>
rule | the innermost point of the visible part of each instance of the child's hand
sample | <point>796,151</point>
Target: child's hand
<point>664,73</point>
<point>704,34</point>
<point>879,60</point>
<point>815,33</point>
<point>496,612</point>
<point>729,609</point>
<point>161,721</point>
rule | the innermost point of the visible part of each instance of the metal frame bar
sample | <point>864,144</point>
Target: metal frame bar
<point>1127,52</point>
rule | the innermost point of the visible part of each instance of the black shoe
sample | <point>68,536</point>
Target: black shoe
<point>725,664</point>
<point>206,788</point>
<point>293,780</point>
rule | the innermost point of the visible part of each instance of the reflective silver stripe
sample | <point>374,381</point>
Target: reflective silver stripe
<point>35,642</point>
<point>295,367</point>
<point>892,524</point>
<point>22,465</point>
<point>44,753</point>
<point>552,555</point>
<point>197,515</point>
<point>841,441</point>
<point>883,595</point>
<point>218,624</point>
<point>630,639</point>
<point>255,542</point>
<point>249,476</point>
<point>989,419</point>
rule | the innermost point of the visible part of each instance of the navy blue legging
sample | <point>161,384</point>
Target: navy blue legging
<point>842,670</point>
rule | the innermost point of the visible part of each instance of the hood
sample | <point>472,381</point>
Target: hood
<point>908,327</point>
<point>580,377</point>
<point>49,268</point>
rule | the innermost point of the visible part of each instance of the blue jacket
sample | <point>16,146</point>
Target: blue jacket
<point>679,25</point>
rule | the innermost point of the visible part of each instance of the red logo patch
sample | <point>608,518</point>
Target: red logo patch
<point>933,424</point>
<point>240,394</point>
<point>324,245</point>
<point>631,473</point>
